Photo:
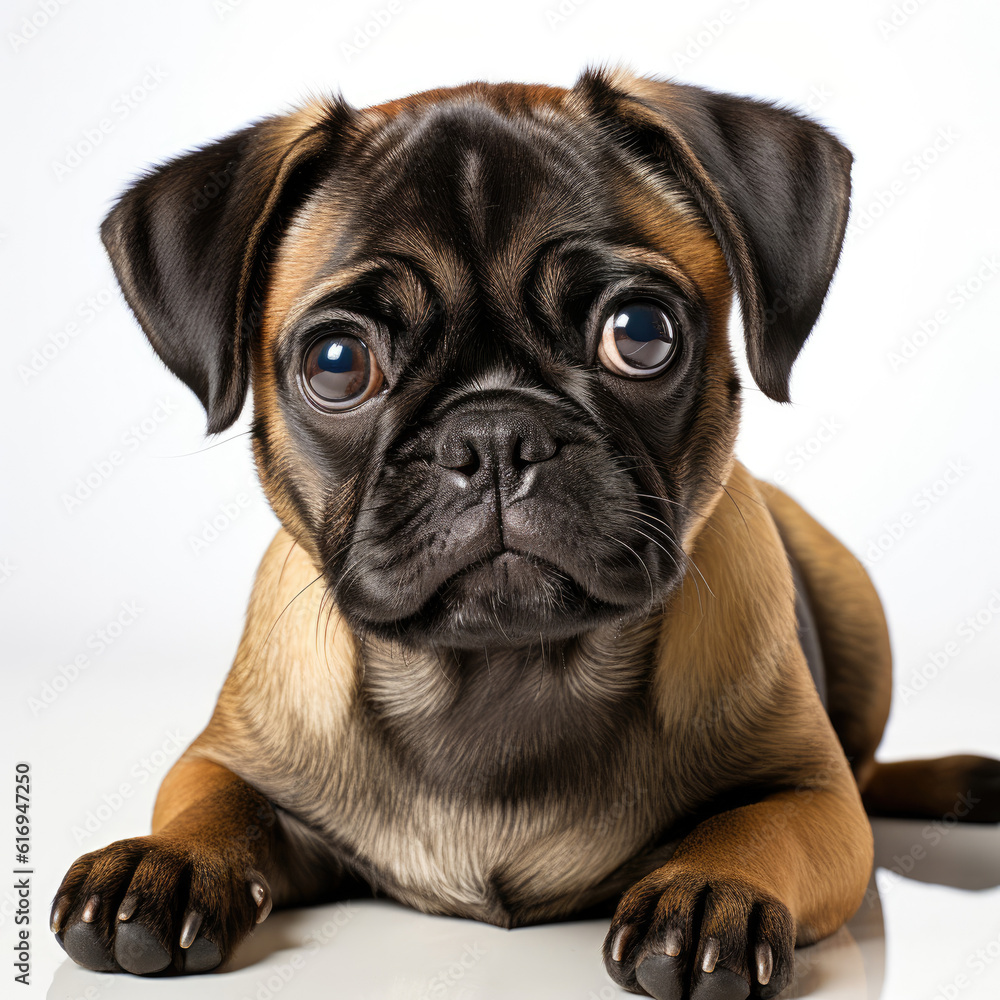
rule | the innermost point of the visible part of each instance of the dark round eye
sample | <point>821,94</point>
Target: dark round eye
<point>638,339</point>
<point>340,372</point>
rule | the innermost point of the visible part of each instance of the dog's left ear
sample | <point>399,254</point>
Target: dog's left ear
<point>190,243</point>
<point>773,185</point>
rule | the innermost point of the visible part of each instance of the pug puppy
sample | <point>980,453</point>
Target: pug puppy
<point>530,642</point>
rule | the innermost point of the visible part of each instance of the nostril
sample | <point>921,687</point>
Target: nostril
<point>454,453</point>
<point>472,441</point>
<point>533,448</point>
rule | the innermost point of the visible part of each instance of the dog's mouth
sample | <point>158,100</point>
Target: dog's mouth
<point>507,598</point>
<point>512,594</point>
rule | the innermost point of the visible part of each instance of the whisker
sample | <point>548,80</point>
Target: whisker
<point>652,596</point>
<point>686,558</point>
<point>264,641</point>
<point>215,444</point>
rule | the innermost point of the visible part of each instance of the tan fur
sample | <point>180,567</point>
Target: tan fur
<point>853,634</point>
<point>727,646</point>
<point>296,665</point>
<point>284,716</point>
<point>729,775</point>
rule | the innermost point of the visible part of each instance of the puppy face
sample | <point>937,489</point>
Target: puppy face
<point>486,330</point>
<point>492,387</point>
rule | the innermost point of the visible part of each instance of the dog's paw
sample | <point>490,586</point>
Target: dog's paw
<point>685,936</point>
<point>156,904</point>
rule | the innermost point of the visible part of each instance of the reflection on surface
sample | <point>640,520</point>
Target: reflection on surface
<point>964,857</point>
<point>378,950</point>
<point>850,963</point>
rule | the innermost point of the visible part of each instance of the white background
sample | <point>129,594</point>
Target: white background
<point>911,87</point>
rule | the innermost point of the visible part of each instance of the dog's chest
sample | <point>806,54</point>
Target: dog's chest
<point>503,858</point>
<point>508,799</point>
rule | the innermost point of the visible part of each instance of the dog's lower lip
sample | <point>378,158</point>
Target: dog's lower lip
<point>517,559</point>
<point>505,553</point>
<point>460,600</point>
<point>512,558</point>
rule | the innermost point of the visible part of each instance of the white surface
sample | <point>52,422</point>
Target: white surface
<point>378,950</point>
<point>200,69</point>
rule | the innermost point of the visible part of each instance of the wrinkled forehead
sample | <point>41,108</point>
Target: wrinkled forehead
<point>460,203</point>
<point>495,188</point>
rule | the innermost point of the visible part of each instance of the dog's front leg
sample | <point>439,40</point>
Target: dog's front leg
<point>185,895</point>
<point>721,918</point>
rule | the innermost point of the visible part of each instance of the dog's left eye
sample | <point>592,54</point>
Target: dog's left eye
<point>638,340</point>
<point>340,372</point>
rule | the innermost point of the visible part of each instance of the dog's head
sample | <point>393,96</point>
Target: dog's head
<point>486,330</point>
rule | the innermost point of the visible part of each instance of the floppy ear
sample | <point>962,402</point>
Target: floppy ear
<point>774,186</point>
<point>189,241</point>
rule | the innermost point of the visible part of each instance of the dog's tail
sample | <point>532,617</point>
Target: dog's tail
<point>963,788</point>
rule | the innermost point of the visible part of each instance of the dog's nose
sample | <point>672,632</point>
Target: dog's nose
<point>505,443</point>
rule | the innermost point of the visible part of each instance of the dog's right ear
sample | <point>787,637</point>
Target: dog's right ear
<point>773,185</point>
<point>188,243</point>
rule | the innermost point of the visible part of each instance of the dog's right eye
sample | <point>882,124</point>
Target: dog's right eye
<point>639,339</point>
<point>340,372</point>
